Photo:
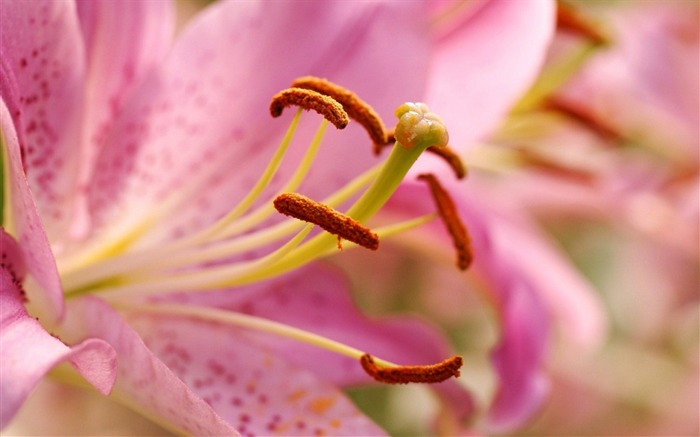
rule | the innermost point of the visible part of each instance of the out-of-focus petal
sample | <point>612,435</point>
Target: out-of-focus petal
<point>505,238</point>
<point>204,116</point>
<point>124,41</point>
<point>568,297</point>
<point>43,70</point>
<point>518,359</point>
<point>523,315</point>
<point>28,227</point>
<point>526,292</point>
<point>143,381</point>
<point>252,387</point>
<point>488,62</point>
<point>27,351</point>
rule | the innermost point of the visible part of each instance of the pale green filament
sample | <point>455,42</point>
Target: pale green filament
<point>233,275</point>
<point>261,184</point>
<point>211,278</point>
<point>135,263</point>
<point>113,245</point>
<point>76,277</point>
<point>397,165</point>
<point>250,322</point>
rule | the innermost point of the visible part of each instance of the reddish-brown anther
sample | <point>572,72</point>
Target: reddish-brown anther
<point>357,109</point>
<point>431,373</point>
<point>448,213</point>
<point>302,208</point>
<point>308,99</point>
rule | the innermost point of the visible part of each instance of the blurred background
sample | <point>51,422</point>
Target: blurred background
<point>603,153</point>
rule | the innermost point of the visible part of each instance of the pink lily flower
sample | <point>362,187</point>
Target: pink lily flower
<point>130,159</point>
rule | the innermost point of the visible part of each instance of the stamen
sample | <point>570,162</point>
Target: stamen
<point>380,370</point>
<point>143,280</point>
<point>448,213</point>
<point>308,99</point>
<point>405,374</point>
<point>303,208</point>
<point>356,108</point>
<point>249,322</point>
<point>161,258</point>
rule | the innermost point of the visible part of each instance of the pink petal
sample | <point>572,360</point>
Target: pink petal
<point>124,41</point>
<point>518,358</point>
<point>479,69</point>
<point>28,352</point>
<point>569,298</point>
<point>40,263</point>
<point>143,380</point>
<point>203,122</point>
<point>42,85</point>
<point>532,284</point>
<point>504,237</point>
<point>251,386</point>
<point>317,299</point>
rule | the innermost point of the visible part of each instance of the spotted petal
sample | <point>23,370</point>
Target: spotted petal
<point>123,42</point>
<point>43,71</point>
<point>203,118</point>
<point>26,224</point>
<point>317,299</point>
<point>254,388</point>
<point>28,352</point>
<point>144,382</point>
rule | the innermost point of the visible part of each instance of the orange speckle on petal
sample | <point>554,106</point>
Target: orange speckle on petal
<point>296,395</point>
<point>321,405</point>
<point>335,423</point>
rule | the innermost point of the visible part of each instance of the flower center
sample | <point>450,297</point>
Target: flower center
<point>127,276</point>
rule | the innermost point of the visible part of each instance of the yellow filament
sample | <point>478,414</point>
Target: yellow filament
<point>136,263</point>
<point>249,322</point>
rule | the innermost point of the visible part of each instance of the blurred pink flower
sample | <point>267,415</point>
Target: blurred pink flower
<point>124,148</point>
<point>610,162</point>
<point>628,142</point>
